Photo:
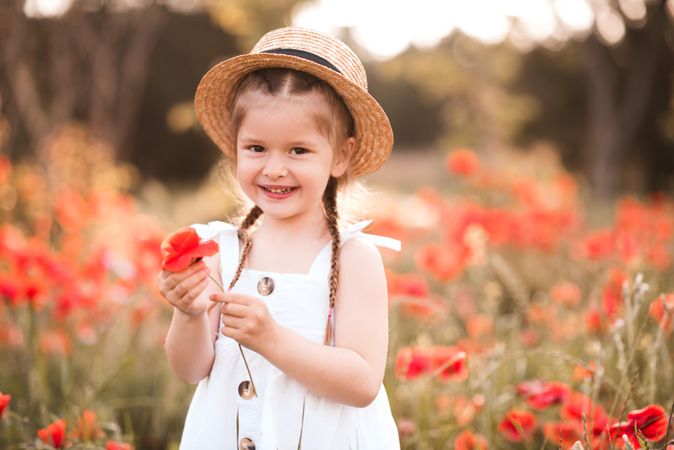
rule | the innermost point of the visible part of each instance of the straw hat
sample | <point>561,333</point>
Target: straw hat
<point>308,51</point>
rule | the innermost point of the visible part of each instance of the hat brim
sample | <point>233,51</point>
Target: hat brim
<point>373,132</point>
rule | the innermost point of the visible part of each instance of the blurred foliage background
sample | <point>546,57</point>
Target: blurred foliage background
<point>127,69</point>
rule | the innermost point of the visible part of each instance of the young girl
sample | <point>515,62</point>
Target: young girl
<point>293,354</point>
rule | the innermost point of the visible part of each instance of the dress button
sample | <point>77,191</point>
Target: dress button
<point>246,390</point>
<point>265,286</point>
<point>246,444</point>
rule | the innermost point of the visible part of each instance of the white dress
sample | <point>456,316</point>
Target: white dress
<point>284,415</point>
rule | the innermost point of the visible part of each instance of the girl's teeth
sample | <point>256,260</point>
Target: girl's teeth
<point>280,191</point>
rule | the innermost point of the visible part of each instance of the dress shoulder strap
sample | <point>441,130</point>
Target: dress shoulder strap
<point>322,262</point>
<point>226,235</point>
<point>356,230</point>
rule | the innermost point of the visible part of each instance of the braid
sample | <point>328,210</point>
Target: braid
<point>332,216</point>
<point>247,222</point>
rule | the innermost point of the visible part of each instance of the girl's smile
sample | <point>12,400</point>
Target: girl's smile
<point>279,192</point>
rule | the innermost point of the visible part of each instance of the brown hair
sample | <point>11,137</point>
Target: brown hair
<point>338,126</point>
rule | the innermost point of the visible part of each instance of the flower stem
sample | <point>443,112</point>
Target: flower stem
<point>213,305</point>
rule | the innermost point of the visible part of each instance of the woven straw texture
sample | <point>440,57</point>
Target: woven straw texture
<point>373,133</point>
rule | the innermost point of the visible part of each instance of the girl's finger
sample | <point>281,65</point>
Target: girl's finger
<point>240,299</point>
<point>234,323</point>
<point>174,278</point>
<point>234,309</point>
<point>188,283</point>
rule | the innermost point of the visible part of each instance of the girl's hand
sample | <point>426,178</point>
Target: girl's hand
<point>246,319</point>
<point>183,289</point>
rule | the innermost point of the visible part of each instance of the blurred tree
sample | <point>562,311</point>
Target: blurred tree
<point>626,84</point>
<point>87,65</point>
<point>470,85</point>
<point>607,104</point>
<point>93,65</point>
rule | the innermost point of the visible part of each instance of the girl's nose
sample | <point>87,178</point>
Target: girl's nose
<point>275,168</point>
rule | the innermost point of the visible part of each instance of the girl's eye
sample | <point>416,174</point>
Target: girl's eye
<point>256,148</point>
<point>299,151</point>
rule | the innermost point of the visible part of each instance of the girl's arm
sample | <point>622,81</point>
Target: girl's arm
<point>190,339</point>
<point>352,371</point>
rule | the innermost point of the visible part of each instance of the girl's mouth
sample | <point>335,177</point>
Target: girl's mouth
<point>278,191</point>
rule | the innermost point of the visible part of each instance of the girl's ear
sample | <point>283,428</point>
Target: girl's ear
<point>343,157</point>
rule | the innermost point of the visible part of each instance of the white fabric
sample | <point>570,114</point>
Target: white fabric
<point>283,408</point>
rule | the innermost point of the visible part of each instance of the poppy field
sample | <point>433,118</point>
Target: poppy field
<point>523,313</point>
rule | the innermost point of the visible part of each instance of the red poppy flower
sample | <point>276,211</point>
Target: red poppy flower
<point>567,293</point>
<point>543,394</point>
<point>651,421</point>
<point>566,433</point>
<point>87,427</point>
<point>578,405</point>
<point>183,247</point>
<point>469,441</point>
<point>517,425</point>
<point>409,284</point>
<point>114,445</point>
<point>662,308</point>
<point>463,162</point>
<point>465,409</point>
<point>411,363</point>
<point>440,261</point>
<point>54,434</point>
<point>4,402</point>
<point>452,363</point>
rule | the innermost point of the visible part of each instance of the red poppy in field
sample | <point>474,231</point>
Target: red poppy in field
<point>410,291</point>
<point>599,245</point>
<point>114,445</point>
<point>612,293</point>
<point>10,289</point>
<point>422,308</point>
<point>463,162</point>
<point>4,402</point>
<point>451,362</point>
<point>566,293</point>
<point>578,405</point>
<point>542,394</point>
<point>87,427</point>
<point>651,421</point>
<point>410,284</point>
<point>53,434</point>
<point>595,321</point>
<point>479,325</point>
<point>72,210</point>
<point>584,371</point>
<point>412,362</point>
<point>517,425</point>
<point>441,262</point>
<point>183,247</point>
<point>566,433</point>
<point>627,246</point>
<point>465,409</point>
<point>469,441</point>
<point>661,310</point>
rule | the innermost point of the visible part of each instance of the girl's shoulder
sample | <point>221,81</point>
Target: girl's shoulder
<point>359,249</point>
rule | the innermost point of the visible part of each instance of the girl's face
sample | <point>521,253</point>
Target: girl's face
<point>284,158</point>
